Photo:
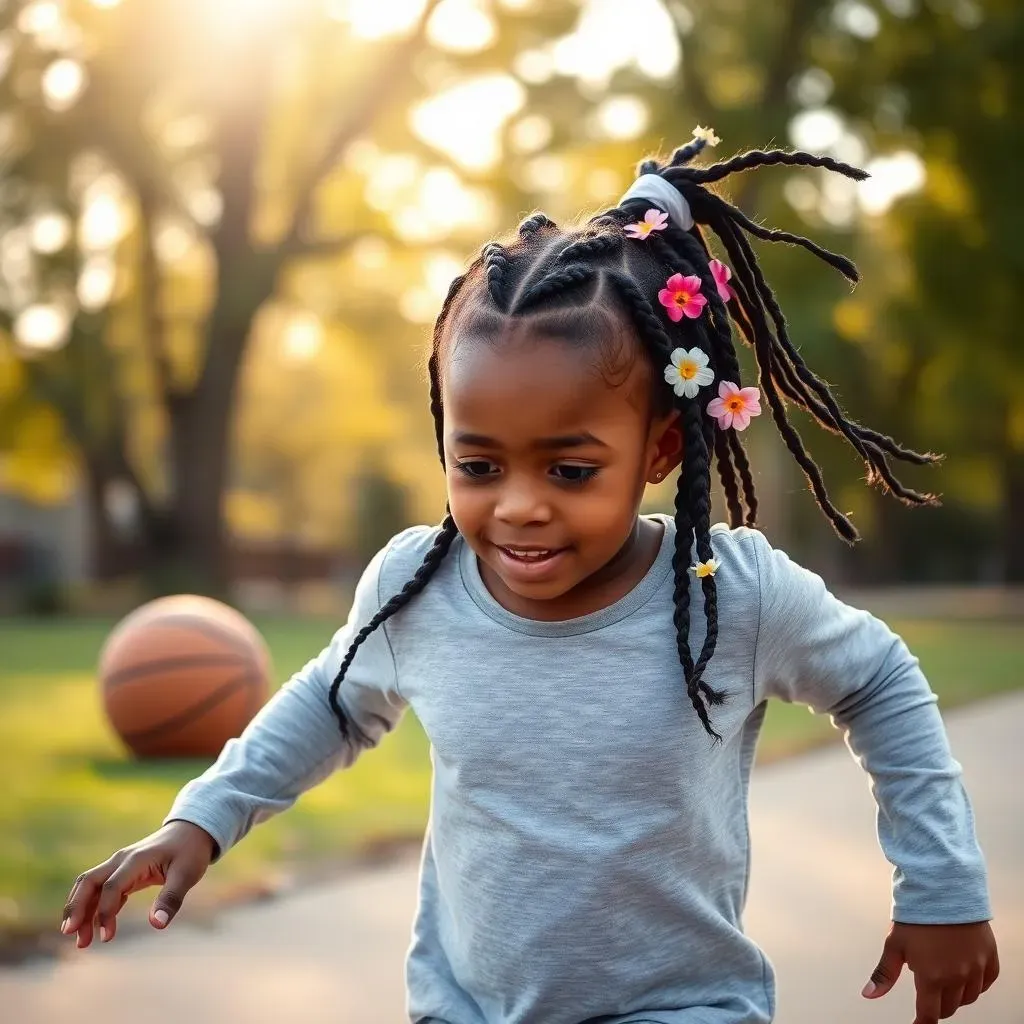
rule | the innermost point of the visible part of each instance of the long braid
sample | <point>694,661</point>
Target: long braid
<point>766,364</point>
<point>677,247</point>
<point>692,511</point>
<point>431,562</point>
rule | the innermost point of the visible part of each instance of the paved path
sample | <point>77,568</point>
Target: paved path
<point>818,904</point>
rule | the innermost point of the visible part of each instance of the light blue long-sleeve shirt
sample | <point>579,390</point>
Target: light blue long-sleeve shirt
<point>587,854</point>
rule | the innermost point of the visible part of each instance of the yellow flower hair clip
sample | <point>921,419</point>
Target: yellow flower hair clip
<point>708,568</point>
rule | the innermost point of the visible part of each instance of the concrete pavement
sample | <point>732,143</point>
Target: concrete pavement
<point>819,904</point>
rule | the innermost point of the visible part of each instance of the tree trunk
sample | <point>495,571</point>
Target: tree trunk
<point>105,549</point>
<point>195,535</point>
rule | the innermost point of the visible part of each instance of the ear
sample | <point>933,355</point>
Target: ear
<point>664,446</point>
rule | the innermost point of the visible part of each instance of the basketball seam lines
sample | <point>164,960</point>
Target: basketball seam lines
<point>136,673</point>
<point>175,722</point>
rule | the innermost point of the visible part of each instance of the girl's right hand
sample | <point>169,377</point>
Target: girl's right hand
<point>175,856</point>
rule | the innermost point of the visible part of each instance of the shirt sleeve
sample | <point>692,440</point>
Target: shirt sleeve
<point>295,741</point>
<point>814,649</point>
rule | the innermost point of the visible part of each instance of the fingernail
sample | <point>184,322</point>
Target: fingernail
<point>105,933</point>
<point>869,990</point>
<point>161,916</point>
<point>64,925</point>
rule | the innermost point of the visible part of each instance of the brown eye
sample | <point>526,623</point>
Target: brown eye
<point>477,469</point>
<point>568,473</point>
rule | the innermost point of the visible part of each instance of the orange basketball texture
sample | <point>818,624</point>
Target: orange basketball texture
<point>182,675</point>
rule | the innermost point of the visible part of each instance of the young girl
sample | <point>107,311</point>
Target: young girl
<point>593,681</point>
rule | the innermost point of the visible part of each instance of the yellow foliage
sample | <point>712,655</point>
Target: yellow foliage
<point>12,374</point>
<point>852,319</point>
<point>252,514</point>
<point>38,465</point>
<point>949,190</point>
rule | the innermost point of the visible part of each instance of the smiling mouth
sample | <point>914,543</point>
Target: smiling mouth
<point>529,555</point>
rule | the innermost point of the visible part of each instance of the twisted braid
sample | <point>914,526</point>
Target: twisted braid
<point>768,158</point>
<point>555,283</point>
<point>431,561</point>
<point>593,247</point>
<point>696,481</point>
<point>766,364</point>
<point>496,266</point>
<point>534,223</point>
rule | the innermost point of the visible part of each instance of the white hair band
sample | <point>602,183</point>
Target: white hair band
<point>657,190</point>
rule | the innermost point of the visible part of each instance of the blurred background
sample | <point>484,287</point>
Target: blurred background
<point>226,227</point>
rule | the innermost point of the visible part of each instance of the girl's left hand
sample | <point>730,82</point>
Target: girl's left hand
<point>952,964</point>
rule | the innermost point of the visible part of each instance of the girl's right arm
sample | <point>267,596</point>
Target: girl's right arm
<point>292,744</point>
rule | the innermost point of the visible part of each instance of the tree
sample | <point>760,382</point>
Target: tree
<point>150,68</point>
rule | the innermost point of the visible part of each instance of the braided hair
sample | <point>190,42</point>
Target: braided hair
<point>582,284</point>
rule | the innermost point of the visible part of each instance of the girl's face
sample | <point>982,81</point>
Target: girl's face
<point>547,463</point>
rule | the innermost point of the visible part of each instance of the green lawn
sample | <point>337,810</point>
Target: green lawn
<point>71,796</point>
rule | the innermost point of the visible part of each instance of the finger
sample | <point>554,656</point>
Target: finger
<point>85,933</point>
<point>991,972</point>
<point>952,1000</point>
<point>114,894</point>
<point>973,988</point>
<point>929,1003</point>
<point>109,926</point>
<point>884,976</point>
<point>81,905</point>
<point>180,878</point>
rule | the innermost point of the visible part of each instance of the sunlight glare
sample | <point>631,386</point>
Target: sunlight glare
<point>96,283</point>
<point>42,327</point>
<point>104,220</point>
<point>815,130</point>
<point>302,338</point>
<point>63,82</point>
<point>898,174</point>
<point>466,121</point>
<point>50,231</point>
<point>462,26</point>
<point>606,39</point>
<point>622,117</point>
<point>376,19</point>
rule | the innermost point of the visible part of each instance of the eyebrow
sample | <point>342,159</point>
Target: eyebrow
<point>580,440</point>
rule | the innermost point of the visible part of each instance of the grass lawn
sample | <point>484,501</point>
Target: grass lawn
<point>71,796</point>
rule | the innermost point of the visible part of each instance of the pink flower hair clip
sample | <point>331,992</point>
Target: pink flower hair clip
<point>721,273</point>
<point>681,297</point>
<point>654,220</point>
<point>734,405</point>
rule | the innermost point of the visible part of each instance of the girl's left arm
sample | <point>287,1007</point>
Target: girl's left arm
<point>814,649</point>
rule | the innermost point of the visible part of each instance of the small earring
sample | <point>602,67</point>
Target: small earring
<point>658,475</point>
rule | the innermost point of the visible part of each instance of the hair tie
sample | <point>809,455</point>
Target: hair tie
<point>655,189</point>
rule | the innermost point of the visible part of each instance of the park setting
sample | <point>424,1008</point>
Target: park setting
<point>227,228</point>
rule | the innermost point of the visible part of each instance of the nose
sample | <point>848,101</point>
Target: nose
<point>521,502</point>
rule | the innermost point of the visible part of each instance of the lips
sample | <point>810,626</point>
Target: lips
<point>530,563</point>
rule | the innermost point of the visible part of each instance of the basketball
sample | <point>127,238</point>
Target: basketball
<point>182,675</point>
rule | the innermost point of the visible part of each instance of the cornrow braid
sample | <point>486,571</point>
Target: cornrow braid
<point>496,265</point>
<point>554,283</point>
<point>592,247</point>
<point>532,224</point>
<point>431,561</point>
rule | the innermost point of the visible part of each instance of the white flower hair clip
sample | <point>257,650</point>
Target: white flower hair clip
<point>706,135</point>
<point>688,372</point>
